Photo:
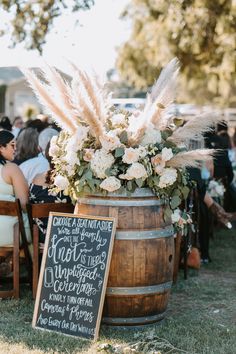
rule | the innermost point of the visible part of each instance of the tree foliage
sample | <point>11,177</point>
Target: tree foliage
<point>201,33</point>
<point>32,20</point>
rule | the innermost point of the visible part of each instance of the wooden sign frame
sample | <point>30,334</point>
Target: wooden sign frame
<point>44,260</point>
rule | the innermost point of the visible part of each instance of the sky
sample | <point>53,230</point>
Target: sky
<point>91,44</point>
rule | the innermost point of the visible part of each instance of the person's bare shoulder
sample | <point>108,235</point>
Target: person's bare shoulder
<point>11,171</point>
<point>12,167</point>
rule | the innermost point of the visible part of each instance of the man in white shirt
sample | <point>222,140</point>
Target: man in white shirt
<point>38,164</point>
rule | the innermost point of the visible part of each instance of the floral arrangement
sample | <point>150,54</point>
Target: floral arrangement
<point>216,189</point>
<point>101,149</point>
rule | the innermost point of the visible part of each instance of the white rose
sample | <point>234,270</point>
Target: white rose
<point>88,154</point>
<point>110,141</point>
<point>151,136</point>
<point>61,182</point>
<point>166,154</point>
<point>131,155</point>
<point>175,217</point>
<point>136,170</point>
<point>168,177</point>
<point>110,184</point>
<point>100,162</point>
<point>118,119</point>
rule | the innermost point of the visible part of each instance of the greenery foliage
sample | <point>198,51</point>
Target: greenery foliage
<point>32,20</point>
<point>201,33</point>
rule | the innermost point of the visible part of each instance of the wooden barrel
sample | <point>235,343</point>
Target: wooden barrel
<point>141,270</point>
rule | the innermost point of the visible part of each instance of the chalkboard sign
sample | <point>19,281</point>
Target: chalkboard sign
<point>74,273</point>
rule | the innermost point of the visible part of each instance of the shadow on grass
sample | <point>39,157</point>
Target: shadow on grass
<point>15,327</point>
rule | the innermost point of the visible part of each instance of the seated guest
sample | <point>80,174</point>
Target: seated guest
<point>38,164</point>
<point>5,123</point>
<point>12,185</point>
<point>40,193</point>
<point>36,124</point>
<point>18,125</point>
<point>27,145</point>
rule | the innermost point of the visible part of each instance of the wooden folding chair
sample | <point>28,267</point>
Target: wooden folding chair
<point>8,208</point>
<point>42,210</point>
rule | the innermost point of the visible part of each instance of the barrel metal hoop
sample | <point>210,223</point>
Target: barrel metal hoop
<point>133,320</point>
<point>139,290</point>
<point>139,192</point>
<point>144,234</point>
<point>124,202</point>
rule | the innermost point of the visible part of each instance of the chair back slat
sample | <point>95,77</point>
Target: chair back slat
<point>8,208</point>
<point>13,208</point>
<point>42,210</point>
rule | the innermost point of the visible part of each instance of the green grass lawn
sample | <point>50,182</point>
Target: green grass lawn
<point>201,317</point>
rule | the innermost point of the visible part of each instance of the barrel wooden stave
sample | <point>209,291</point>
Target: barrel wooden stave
<point>142,264</point>
<point>139,218</point>
<point>142,305</point>
<point>141,267</point>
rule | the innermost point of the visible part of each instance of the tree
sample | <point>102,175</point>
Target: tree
<point>201,33</point>
<point>32,20</point>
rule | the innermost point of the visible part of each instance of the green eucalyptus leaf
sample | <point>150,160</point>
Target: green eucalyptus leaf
<point>139,182</point>
<point>129,186</point>
<point>175,202</point>
<point>185,192</point>
<point>88,175</point>
<point>119,152</point>
<point>167,213</point>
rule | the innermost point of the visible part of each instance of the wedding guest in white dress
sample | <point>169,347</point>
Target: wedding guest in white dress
<point>12,185</point>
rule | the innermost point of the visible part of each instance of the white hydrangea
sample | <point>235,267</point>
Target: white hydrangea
<point>61,182</point>
<point>216,189</point>
<point>168,177</point>
<point>175,217</point>
<point>110,184</point>
<point>71,158</point>
<point>166,154</point>
<point>136,170</point>
<point>151,136</point>
<point>100,162</point>
<point>110,141</point>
